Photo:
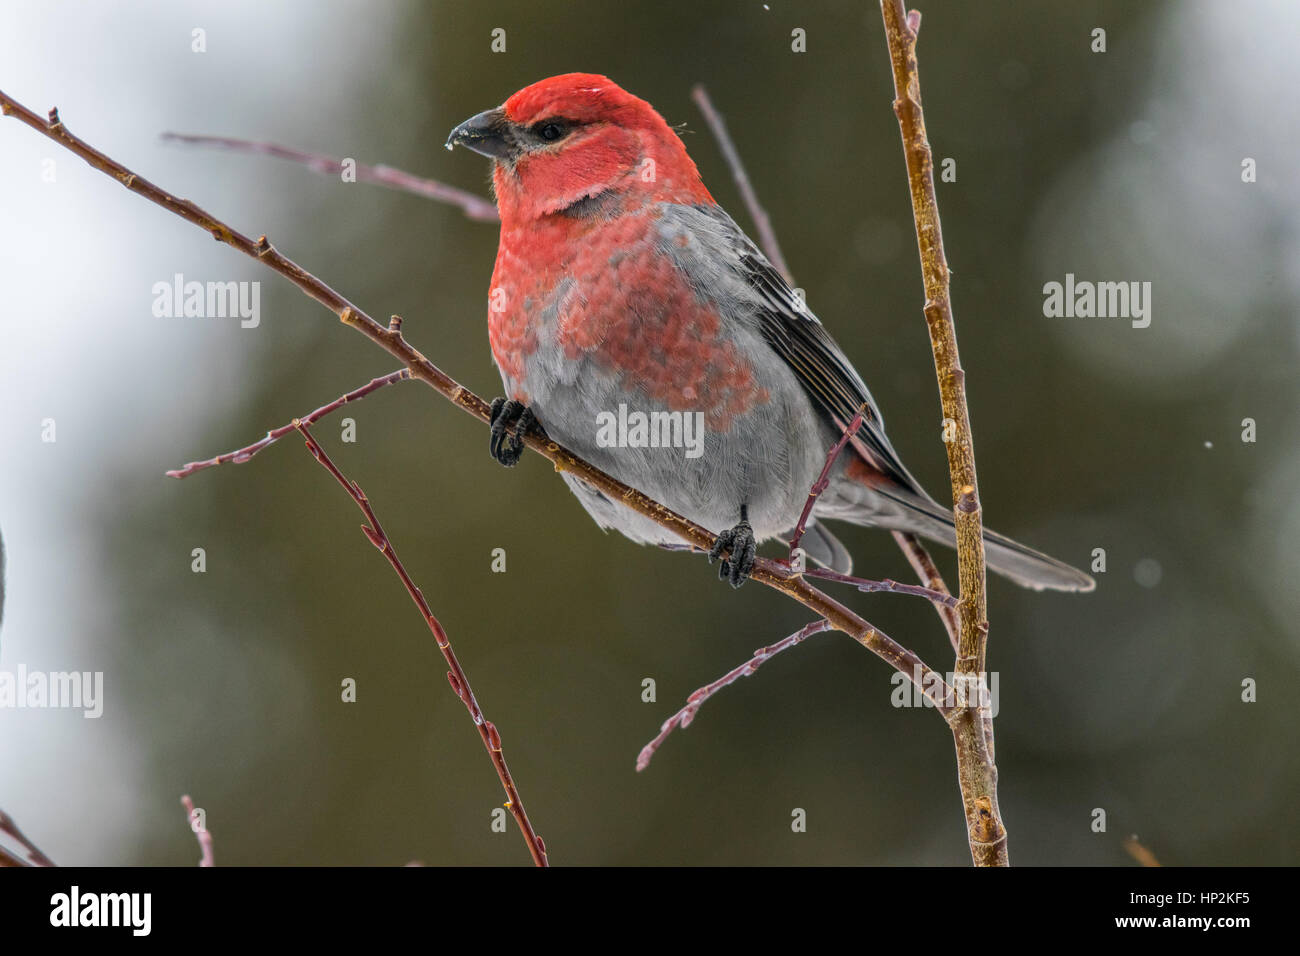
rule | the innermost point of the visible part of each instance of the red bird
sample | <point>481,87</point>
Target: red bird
<point>635,323</point>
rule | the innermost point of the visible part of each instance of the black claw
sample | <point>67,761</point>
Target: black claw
<point>507,448</point>
<point>742,550</point>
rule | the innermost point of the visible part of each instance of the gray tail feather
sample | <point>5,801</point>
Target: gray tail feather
<point>1011,559</point>
<point>826,549</point>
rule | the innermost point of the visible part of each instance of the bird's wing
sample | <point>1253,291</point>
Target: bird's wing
<point>820,365</point>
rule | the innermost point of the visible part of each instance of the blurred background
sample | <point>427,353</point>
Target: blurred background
<point>1122,165</point>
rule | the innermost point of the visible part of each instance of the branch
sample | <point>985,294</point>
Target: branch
<point>200,833</point>
<point>824,479</point>
<point>919,558</point>
<point>474,207</point>
<point>241,455</point>
<point>971,732</point>
<point>687,714</point>
<point>766,237</point>
<point>940,598</point>
<point>34,856</point>
<point>456,676</point>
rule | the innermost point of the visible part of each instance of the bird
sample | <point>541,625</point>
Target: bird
<point>622,289</point>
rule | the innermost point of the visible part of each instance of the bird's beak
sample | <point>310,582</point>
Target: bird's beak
<point>485,133</point>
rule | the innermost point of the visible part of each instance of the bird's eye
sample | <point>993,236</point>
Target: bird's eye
<point>550,131</point>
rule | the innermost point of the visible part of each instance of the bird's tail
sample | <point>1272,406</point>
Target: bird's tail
<point>924,516</point>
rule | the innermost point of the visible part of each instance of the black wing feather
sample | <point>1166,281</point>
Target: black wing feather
<point>821,366</point>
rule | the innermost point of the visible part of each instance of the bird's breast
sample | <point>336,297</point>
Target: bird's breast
<point>608,297</point>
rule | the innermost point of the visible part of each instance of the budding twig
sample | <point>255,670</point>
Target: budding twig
<point>474,207</point>
<point>824,479</point>
<point>682,719</point>
<point>972,732</point>
<point>762,223</point>
<point>241,455</point>
<point>919,558</point>
<point>456,676</point>
<point>940,598</point>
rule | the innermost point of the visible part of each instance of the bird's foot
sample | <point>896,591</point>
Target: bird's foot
<point>507,448</point>
<point>742,549</point>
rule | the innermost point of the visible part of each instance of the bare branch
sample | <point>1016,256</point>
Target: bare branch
<point>766,236</point>
<point>241,455</point>
<point>940,598</point>
<point>456,676</point>
<point>474,207</point>
<point>923,564</point>
<point>824,479</point>
<point>682,719</point>
<point>972,733</point>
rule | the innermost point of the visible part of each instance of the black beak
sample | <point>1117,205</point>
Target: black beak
<point>486,134</point>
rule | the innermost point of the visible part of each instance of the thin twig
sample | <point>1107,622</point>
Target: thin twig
<point>766,236</point>
<point>971,731</point>
<point>824,479</point>
<point>682,719</point>
<point>940,598</point>
<point>34,856</point>
<point>241,455</point>
<point>456,676</point>
<point>200,833</point>
<point>474,207</point>
<point>923,564</point>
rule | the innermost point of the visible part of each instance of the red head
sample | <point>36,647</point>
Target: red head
<point>579,137</point>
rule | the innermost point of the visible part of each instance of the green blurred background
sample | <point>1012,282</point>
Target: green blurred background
<point>1123,165</point>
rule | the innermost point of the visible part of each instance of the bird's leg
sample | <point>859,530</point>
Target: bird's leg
<point>507,448</point>
<point>742,549</point>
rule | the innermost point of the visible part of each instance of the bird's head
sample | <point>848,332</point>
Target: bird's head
<point>579,144</point>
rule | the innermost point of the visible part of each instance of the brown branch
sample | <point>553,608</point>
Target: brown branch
<point>824,479</point>
<point>682,719</point>
<point>200,833</point>
<point>971,732</point>
<point>456,676</point>
<point>474,207</point>
<point>919,558</point>
<point>241,455</point>
<point>940,598</point>
<point>766,236</point>
<point>34,856</point>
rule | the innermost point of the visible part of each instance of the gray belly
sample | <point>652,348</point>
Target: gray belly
<point>767,459</point>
